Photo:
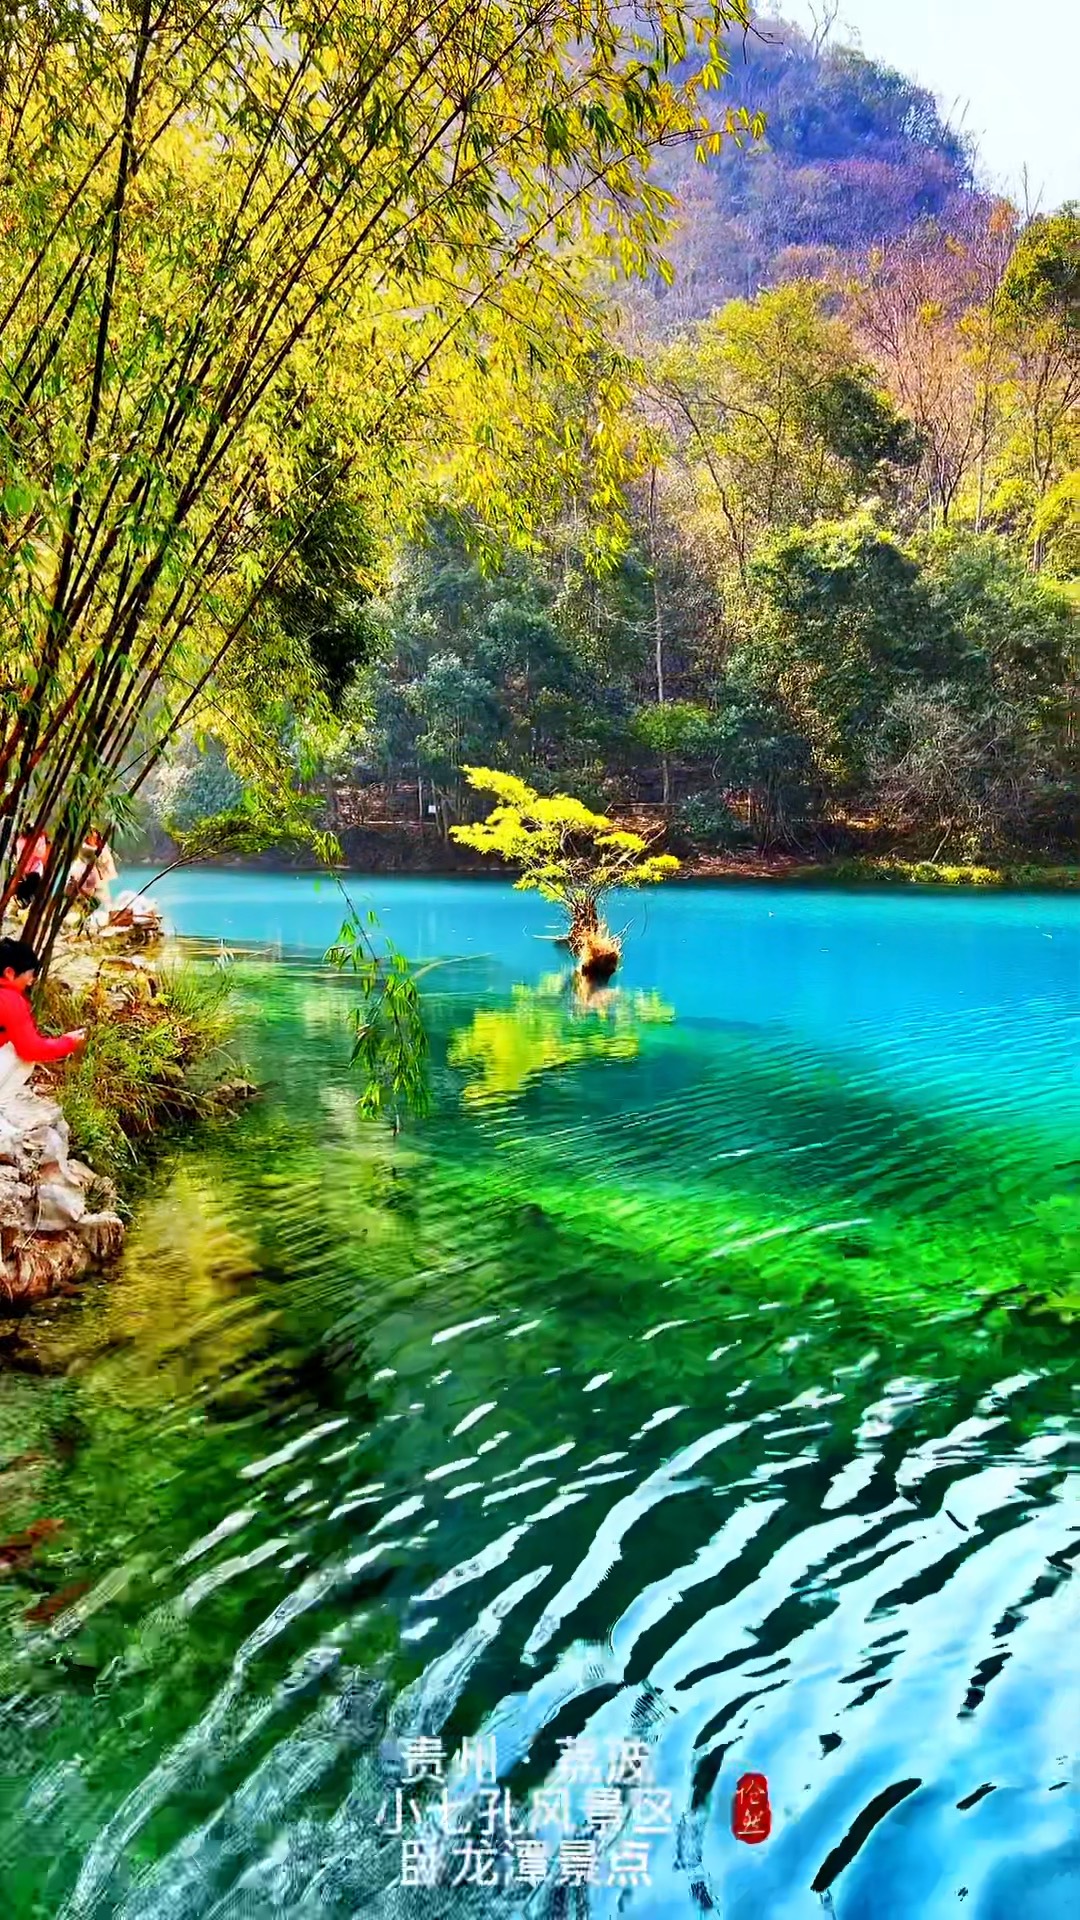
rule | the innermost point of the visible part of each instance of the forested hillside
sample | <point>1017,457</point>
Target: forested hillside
<point>828,604</point>
<point>852,155</point>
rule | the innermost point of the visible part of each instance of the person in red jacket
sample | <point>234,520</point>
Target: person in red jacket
<point>32,858</point>
<point>18,971</point>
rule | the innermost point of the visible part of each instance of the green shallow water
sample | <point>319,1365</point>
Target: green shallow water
<point>695,1386</point>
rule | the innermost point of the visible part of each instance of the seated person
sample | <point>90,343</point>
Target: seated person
<point>92,872</point>
<point>32,857</point>
<point>19,967</point>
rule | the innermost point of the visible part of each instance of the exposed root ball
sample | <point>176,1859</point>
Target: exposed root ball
<point>598,955</point>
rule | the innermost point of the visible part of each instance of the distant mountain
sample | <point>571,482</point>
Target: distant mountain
<point>853,153</point>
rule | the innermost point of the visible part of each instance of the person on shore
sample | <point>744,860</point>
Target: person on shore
<point>92,874</point>
<point>19,967</point>
<point>31,860</point>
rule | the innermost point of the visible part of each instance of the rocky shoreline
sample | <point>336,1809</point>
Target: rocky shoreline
<point>58,1218</point>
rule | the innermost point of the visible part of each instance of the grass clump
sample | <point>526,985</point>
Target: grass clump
<point>155,1053</point>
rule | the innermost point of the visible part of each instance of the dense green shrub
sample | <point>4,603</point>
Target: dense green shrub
<point>708,821</point>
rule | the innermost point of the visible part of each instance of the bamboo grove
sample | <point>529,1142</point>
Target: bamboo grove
<point>251,253</point>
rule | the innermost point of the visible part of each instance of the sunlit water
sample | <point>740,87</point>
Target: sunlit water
<point>690,1396</point>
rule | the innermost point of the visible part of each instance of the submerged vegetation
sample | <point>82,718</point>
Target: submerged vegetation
<point>309,1308</point>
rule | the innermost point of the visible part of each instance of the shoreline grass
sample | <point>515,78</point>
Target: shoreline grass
<point>889,869</point>
<point>156,1053</point>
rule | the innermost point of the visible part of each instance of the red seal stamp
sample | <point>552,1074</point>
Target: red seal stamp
<point>751,1815</point>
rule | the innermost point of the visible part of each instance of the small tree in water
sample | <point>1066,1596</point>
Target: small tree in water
<point>571,856</point>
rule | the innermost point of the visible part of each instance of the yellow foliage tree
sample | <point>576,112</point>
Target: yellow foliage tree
<point>571,856</point>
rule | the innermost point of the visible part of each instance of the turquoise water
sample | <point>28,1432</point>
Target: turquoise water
<point>978,994</point>
<point>696,1385</point>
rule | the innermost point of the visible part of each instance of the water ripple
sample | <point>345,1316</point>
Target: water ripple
<point>710,1395</point>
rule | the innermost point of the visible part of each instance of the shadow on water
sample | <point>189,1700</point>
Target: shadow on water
<point>688,1391</point>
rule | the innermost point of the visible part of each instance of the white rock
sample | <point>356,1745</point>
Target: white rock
<point>59,1205</point>
<point>41,1189</point>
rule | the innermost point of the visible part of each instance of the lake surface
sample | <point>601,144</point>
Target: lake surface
<point>690,1396</point>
